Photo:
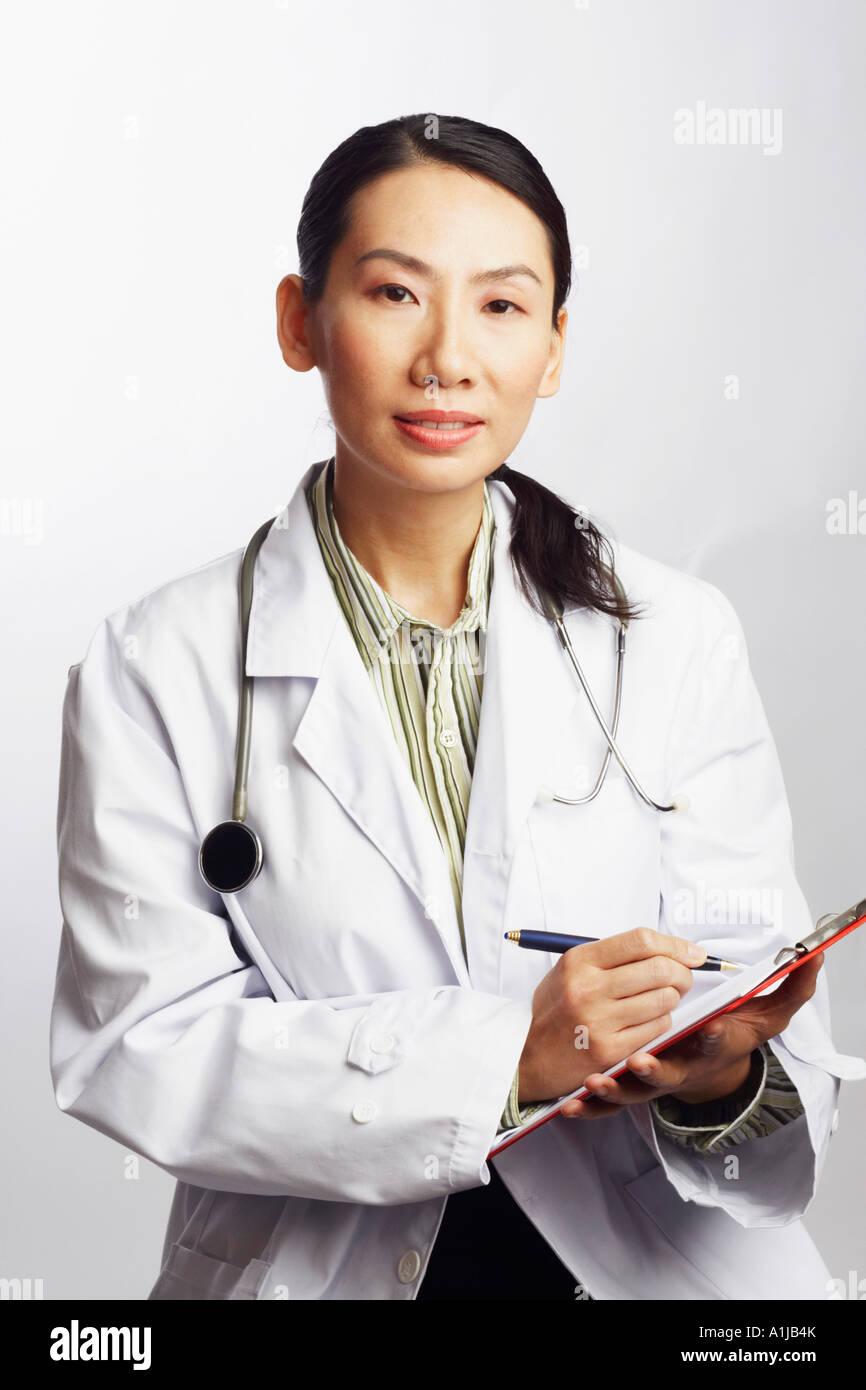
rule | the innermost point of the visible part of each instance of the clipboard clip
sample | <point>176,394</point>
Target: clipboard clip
<point>822,934</point>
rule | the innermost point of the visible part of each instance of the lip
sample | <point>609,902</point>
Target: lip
<point>438,439</point>
<point>440,415</point>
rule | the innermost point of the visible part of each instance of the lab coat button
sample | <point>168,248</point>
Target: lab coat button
<point>834,1123</point>
<point>364,1111</point>
<point>383,1042</point>
<point>408,1266</point>
<point>448,738</point>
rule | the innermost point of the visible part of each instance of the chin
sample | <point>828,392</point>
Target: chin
<point>413,468</point>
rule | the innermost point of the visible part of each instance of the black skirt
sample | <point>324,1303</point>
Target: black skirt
<point>487,1248</point>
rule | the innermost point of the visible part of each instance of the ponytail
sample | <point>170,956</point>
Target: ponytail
<point>557,549</point>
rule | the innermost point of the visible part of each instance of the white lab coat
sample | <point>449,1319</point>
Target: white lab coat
<point>312,1059</point>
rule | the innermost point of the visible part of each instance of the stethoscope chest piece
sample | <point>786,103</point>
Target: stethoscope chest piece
<point>230,856</point>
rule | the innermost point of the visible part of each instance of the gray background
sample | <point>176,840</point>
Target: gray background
<point>154,163</point>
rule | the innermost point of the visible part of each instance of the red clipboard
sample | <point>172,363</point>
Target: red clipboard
<point>801,951</point>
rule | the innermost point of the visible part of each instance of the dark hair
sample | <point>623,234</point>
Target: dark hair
<point>552,546</point>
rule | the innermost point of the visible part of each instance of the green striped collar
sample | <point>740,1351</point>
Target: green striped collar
<point>373,614</point>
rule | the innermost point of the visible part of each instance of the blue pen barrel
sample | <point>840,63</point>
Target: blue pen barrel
<point>558,941</point>
<point>549,940</point>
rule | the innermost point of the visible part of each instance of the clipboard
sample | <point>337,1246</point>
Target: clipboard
<point>694,1013</point>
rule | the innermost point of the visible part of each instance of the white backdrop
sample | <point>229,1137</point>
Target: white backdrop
<point>153,167</point>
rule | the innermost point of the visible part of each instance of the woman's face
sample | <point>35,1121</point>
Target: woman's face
<point>392,338</point>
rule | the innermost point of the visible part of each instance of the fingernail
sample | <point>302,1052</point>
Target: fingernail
<point>642,1071</point>
<point>695,952</point>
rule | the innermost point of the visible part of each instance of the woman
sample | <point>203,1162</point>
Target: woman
<point>324,1059</point>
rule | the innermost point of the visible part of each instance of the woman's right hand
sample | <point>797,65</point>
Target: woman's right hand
<point>599,1003</point>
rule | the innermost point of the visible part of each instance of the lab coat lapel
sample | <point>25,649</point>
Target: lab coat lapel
<point>298,630</point>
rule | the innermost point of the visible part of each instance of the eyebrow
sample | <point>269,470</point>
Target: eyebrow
<point>481,277</point>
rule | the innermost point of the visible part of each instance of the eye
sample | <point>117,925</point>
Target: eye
<point>503,301</point>
<point>401,288</point>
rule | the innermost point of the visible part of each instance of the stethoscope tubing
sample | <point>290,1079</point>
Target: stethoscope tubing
<point>245,709</point>
<point>610,735</point>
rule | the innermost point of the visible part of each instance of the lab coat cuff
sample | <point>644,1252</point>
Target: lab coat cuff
<point>771,1181</point>
<point>482,1112</point>
<point>712,1122</point>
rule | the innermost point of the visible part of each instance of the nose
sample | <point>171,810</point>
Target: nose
<point>445,352</point>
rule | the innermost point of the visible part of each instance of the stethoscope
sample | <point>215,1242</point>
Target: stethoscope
<point>231,854</point>
<point>553,609</point>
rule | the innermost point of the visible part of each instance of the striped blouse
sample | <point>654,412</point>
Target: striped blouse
<point>430,687</point>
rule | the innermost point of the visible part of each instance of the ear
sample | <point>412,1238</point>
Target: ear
<point>549,384</point>
<point>293,324</point>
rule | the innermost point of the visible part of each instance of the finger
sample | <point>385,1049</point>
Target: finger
<point>773,1012</point>
<point>656,972</point>
<point>798,986</point>
<point>676,1064</point>
<point>645,1007</point>
<point>643,942</point>
<point>594,1105</point>
<point>711,1039</point>
<point>657,1073</point>
<point>628,1040</point>
<point>591,1110</point>
<point>623,1090</point>
<point>606,1098</point>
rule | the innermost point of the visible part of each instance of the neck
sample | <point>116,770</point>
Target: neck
<point>416,545</point>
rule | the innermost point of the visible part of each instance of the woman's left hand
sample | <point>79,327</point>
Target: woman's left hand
<point>710,1063</point>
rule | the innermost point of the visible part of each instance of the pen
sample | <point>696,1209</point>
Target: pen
<point>557,941</point>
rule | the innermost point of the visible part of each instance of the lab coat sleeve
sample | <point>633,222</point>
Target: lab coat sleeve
<point>733,845</point>
<point>166,1037</point>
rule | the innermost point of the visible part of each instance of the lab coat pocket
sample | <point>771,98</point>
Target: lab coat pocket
<point>188,1274</point>
<point>707,1254</point>
<point>223,1252</point>
<point>670,1234</point>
